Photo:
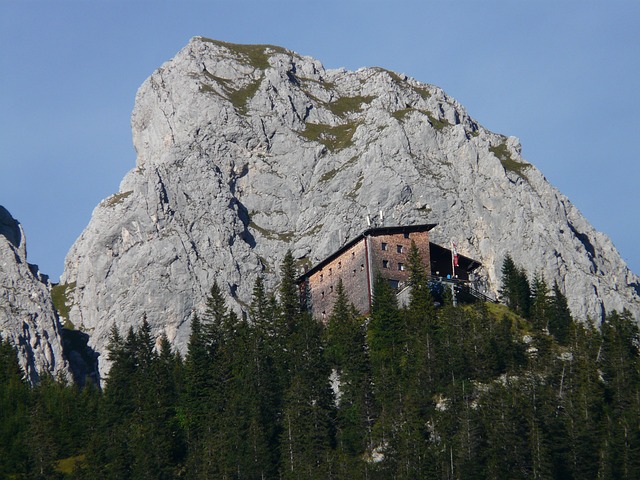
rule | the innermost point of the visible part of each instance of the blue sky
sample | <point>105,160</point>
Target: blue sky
<point>563,76</point>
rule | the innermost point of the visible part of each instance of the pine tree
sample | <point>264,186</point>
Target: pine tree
<point>583,403</point>
<point>108,455</point>
<point>286,320</point>
<point>559,316</point>
<point>540,303</point>
<point>41,432</point>
<point>620,364</point>
<point>248,432</point>
<point>14,395</point>
<point>421,309</point>
<point>289,294</point>
<point>197,385</point>
<point>207,372</point>
<point>156,436</point>
<point>523,294</point>
<point>508,280</point>
<point>386,339</point>
<point>307,437</point>
<point>215,321</point>
<point>259,312</point>
<point>263,311</point>
<point>346,354</point>
<point>411,441</point>
<point>515,291</point>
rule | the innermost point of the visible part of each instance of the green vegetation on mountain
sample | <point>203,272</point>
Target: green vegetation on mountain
<point>510,165</point>
<point>255,55</point>
<point>335,138</point>
<point>60,297</point>
<point>430,390</point>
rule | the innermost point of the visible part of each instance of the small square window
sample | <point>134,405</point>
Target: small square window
<point>321,277</point>
<point>399,248</point>
<point>394,284</point>
<point>385,263</point>
<point>330,272</point>
<point>384,246</point>
<point>361,267</point>
<point>401,266</point>
<point>354,272</point>
<point>331,289</point>
<point>406,235</point>
<point>339,264</point>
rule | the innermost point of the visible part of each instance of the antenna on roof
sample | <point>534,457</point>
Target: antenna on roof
<point>368,220</point>
<point>381,218</point>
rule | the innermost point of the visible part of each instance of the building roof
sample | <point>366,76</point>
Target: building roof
<point>367,233</point>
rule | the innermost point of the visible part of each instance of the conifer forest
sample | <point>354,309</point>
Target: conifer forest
<point>431,390</point>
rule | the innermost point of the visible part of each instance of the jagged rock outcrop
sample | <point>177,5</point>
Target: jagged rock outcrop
<point>246,151</point>
<point>27,316</point>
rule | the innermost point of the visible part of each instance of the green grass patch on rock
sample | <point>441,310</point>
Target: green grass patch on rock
<point>344,105</point>
<point>60,297</point>
<point>510,165</point>
<point>401,114</point>
<point>239,97</point>
<point>329,175</point>
<point>437,123</point>
<point>306,83</point>
<point>272,234</point>
<point>332,173</point>
<point>423,92</point>
<point>394,76</point>
<point>313,230</point>
<point>117,198</point>
<point>256,55</point>
<point>334,138</point>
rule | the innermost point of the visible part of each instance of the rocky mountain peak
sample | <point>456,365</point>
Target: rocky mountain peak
<point>27,317</point>
<point>245,151</point>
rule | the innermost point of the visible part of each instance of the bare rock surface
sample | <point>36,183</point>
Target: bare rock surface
<point>27,317</point>
<point>245,151</point>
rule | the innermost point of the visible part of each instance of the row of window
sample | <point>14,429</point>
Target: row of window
<point>385,247</point>
<point>399,248</point>
<point>385,264</point>
<point>340,266</point>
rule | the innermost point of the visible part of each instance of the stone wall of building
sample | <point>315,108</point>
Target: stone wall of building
<point>351,267</point>
<point>389,255</point>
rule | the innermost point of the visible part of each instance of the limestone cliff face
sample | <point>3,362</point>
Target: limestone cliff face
<point>247,151</point>
<point>27,316</point>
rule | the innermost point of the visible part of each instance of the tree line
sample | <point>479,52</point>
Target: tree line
<point>448,392</point>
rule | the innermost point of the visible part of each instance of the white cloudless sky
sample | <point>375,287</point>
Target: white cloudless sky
<point>561,75</point>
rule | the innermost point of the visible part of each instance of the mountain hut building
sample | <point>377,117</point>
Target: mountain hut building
<point>379,250</point>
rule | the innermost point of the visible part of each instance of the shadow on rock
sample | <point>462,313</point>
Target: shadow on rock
<point>83,360</point>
